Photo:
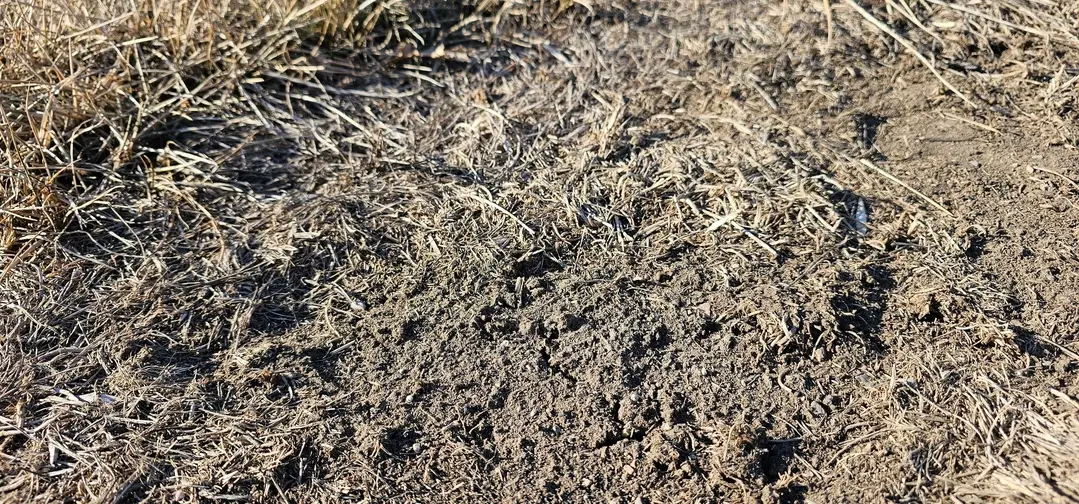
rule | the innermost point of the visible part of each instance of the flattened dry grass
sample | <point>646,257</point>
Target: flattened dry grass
<point>184,182</point>
<point>133,134</point>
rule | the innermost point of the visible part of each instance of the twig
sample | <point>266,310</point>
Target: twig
<point>496,206</point>
<point>910,47</point>
<point>905,10</point>
<point>918,193</point>
<point>1074,184</point>
<point>753,236</point>
<point>976,124</point>
<point>987,17</point>
<point>1063,349</point>
<point>767,99</point>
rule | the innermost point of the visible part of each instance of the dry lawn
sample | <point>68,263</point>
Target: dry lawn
<point>562,251</point>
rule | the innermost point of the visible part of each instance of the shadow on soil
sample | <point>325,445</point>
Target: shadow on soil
<point>859,307</point>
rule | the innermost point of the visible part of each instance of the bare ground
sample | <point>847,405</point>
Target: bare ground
<point>613,256</point>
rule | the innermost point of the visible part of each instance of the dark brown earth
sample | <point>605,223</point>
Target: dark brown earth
<point>605,265</point>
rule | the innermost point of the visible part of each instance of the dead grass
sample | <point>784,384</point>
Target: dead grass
<point>186,184</point>
<point>120,92</point>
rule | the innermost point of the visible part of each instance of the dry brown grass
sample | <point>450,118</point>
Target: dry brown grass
<point>187,185</point>
<point>110,91</point>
